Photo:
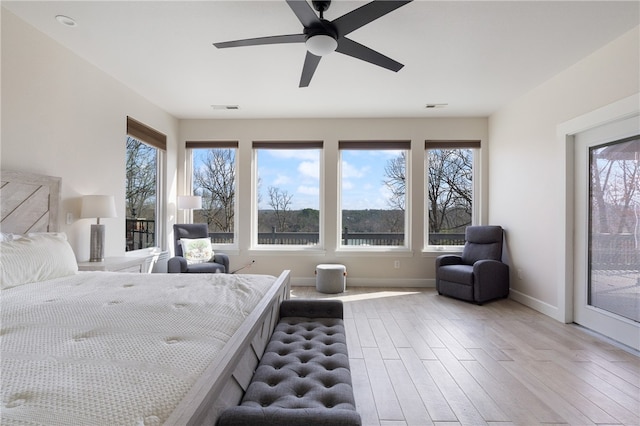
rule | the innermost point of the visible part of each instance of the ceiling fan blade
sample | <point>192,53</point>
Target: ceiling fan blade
<point>290,38</point>
<point>351,48</point>
<point>311,62</point>
<point>365,14</point>
<point>304,12</point>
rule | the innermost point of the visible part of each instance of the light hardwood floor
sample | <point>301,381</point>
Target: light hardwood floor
<point>422,359</point>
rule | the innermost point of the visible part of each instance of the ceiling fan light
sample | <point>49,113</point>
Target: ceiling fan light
<point>321,44</point>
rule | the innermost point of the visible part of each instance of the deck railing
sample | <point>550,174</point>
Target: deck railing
<point>348,238</point>
<point>608,251</point>
<point>140,234</point>
<point>614,252</point>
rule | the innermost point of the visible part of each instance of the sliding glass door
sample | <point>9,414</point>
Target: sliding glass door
<point>607,239</point>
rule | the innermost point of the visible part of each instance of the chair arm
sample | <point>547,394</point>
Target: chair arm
<point>177,265</point>
<point>488,268</point>
<point>223,259</point>
<point>492,280</point>
<point>448,259</point>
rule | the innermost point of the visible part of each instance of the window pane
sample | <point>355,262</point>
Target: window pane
<point>141,189</point>
<point>214,178</point>
<point>449,194</point>
<point>288,196</point>
<point>373,197</point>
<point>614,234</point>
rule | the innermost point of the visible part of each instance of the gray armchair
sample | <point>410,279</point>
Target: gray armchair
<point>478,275</point>
<point>178,264</point>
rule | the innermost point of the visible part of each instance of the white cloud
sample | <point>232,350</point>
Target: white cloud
<point>310,169</point>
<point>301,154</point>
<point>308,190</point>
<point>351,171</point>
<point>282,180</point>
<point>385,192</point>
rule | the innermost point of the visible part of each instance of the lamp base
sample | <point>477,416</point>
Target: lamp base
<point>96,248</point>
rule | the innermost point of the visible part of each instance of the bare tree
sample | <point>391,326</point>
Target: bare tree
<point>215,182</point>
<point>615,195</point>
<point>450,188</point>
<point>396,182</point>
<point>140,179</point>
<point>280,202</point>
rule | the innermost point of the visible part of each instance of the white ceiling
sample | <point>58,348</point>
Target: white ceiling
<point>474,56</point>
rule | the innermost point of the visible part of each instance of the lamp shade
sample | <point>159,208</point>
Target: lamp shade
<point>98,206</point>
<point>189,202</point>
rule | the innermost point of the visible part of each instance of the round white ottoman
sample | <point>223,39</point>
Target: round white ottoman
<point>331,278</point>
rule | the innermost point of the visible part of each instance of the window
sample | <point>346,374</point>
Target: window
<point>144,153</point>
<point>450,190</point>
<point>373,193</point>
<point>287,193</point>
<point>214,179</point>
<point>614,227</point>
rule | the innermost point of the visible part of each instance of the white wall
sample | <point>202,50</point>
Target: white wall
<point>529,170</point>
<point>417,268</point>
<point>61,116</point>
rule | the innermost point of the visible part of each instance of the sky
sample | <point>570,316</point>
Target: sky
<point>298,173</point>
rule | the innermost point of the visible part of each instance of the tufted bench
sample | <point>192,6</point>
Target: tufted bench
<point>303,377</point>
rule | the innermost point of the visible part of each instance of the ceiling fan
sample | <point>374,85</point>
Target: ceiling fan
<point>322,37</point>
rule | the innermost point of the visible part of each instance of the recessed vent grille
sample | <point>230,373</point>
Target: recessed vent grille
<point>430,106</point>
<point>225,107</point>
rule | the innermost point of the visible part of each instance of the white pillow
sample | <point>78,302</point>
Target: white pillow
<point>4,236</point>
<point>37,257</point>
<point>196,250</point>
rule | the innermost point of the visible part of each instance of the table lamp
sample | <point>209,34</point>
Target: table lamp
<point>98,206</point>
<point>189,202</point>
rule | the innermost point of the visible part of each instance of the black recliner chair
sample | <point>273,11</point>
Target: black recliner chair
<point>478,275</point>
<point>178,264</point>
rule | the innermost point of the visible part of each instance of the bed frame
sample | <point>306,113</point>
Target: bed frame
<point>30,203</point>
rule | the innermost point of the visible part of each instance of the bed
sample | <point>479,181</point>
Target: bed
<point>118,348</point>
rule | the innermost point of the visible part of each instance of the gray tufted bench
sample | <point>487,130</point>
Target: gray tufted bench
<point>303,377</point>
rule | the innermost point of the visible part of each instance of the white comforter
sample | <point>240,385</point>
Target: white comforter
<point>102,348</point>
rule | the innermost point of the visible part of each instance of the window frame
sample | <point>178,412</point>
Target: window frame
<point>476,148</point>
<point>286,145</point>
<point>376,145</point>
<point>189,147</point>
<point>157,140</point>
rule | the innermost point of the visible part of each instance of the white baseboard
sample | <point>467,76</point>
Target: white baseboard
<point>372,282</point>
<point>535,304</point>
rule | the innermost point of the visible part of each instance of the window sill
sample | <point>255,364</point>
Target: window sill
<point>374,251</point>
<point>435,251</point>
<point>288,250</point>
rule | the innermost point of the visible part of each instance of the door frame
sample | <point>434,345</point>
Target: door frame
<point>622,109</point>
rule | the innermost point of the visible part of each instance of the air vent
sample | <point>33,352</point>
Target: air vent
<point>225,107</point>
<point>430,106</point>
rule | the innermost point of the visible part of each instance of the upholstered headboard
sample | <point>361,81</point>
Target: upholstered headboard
<point>29,202</point>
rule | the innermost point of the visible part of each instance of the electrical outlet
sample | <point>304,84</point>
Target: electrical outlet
<point>69,218</point>
<point>396,264</point>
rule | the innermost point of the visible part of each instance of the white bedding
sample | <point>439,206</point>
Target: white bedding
<point>100,348</point>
